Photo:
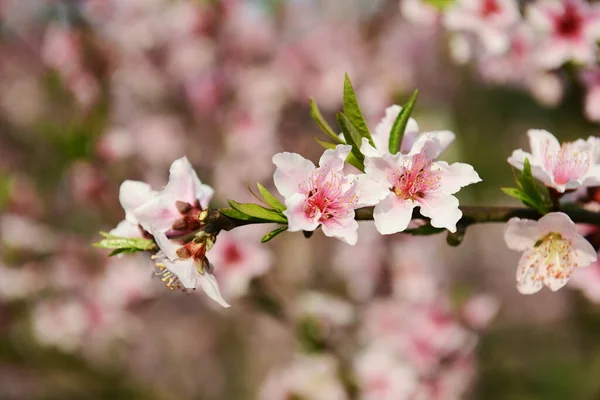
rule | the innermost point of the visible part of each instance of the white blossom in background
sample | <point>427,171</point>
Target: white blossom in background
<point>568,30</point>
<point>489,20</point>
<point>239,258</point>
<point>312,377</point>
<point>551,248</point>
<point>329,309</point>
<point>566,166</point>
<point>382,375</point>
<point>587,280</point>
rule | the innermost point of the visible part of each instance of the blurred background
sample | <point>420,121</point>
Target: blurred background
<point>93,92</point>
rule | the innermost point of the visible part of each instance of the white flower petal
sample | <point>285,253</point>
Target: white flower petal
<point>392,214</point>
<point>292,170</point>
<point>557,222</point>
<point>442,209</point>
<point>185,270</point>
<point>370,191</point>
<point>166,246</point>
<point>133,194</point>
<point>456,176</point>
<point>517,160</point>
<point>183,182</point>
<point>209,284</point>
<point>126,229</point>
<point>334,159</point>
<point>297,218</point>
<point>346,230</point>
<point>542,142</point>
<point>158,214</point>
<point>528,281</point>
<point>368,150</point>
<point>584,253</point>
<point>444,138</point>
<point>521,234</point>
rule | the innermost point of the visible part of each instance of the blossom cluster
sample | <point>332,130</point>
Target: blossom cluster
<point>525,46</point>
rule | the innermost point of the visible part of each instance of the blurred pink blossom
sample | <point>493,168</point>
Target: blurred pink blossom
<point>307,377</point>
<point>239,257</point>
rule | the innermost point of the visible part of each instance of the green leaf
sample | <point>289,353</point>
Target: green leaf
<point>270,199</point>
<point>318,117</point>
<point>352,138</point>
<point>397,132</point>
<point>528,191</point>
<point>127,245</point>
<point>273,233</point>
<point>522,196</point>
<point>440,4</point>
<point>235,214</point>
<point>353,112</point>
<point>424,230</point>
<point>351,159</point>
<point>257,211</point>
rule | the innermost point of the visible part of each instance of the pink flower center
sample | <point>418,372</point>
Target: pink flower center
<point>552,257</point>
<point>569,24</point>
<point>489,7</point>
<point>232,254</point>
<point>327,197</point>
<point>415,178</point>
<point>567,164</point>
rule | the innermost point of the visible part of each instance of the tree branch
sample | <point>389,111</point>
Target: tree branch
<point>471,215</point>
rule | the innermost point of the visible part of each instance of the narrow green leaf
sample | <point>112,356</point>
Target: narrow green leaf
<point>352,138</point>
<point>270,199</point>
<point>521,196</point>
<point>123,251</point>
<point>257,211</point>
<point>318,117</point>
<point>352,111</point>
<point>235,214</point>
<point>273,233</point>
<point>351,159</point>
<point>115,242</point>
<point>397,132</point>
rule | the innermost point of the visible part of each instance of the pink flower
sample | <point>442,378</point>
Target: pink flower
<point>490,20</point>
<point>562,167</point>
<point>479,311</point>
<point>306,377</point>
<point>552,250</point>
<point>412,141</point>
<point>591,80</point>
<point>176,207</point>
<point>239,258</point>
<point>569,30</point>
<point>186,267</point>
<point>382,375</point>
<point>403,182</point>
<point>321,196</point>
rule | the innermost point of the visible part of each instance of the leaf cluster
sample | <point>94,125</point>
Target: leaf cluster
<point>121,245</point>
<point>354,127</point>
<point>528,192</point>
<point>272,211</point>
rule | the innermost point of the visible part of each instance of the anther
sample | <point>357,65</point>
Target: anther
<point>183,207</point>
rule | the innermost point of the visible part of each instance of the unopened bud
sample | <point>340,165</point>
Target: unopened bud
<point>183,252</point>
<point>183,207</point>
<point>179,225</point>
<point>203,215</point>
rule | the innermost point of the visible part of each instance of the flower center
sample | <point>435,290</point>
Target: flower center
<point>327,198</point>
<point>566,164</point>
<point>232,254</point>
<point>555,255</point>
<point>569,23</point>
<point>415,178</point>
<point>489,7</point>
